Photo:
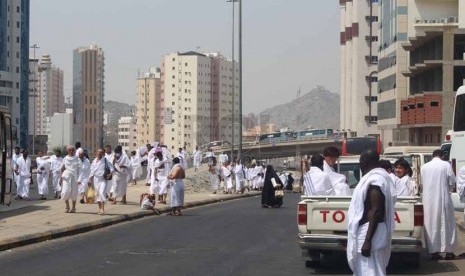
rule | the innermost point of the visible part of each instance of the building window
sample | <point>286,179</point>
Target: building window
<point>434,104</point>
<point>17,9</point>
<point>420,105</point>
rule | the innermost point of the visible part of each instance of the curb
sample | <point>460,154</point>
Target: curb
<point>104,222</point>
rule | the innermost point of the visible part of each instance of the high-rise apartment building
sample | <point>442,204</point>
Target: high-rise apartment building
<point>14,64</point>
<point>64,137</point>
<point>436,68</point>
<point>49,98</point>
<point>148,102</point>
<point>197,99</point>
<point>88,96</point>
<point>359,59</point>
<point>127,133</point>
<point>392,61</point>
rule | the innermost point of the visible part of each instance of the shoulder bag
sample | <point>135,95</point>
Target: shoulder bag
<point>107,173</point>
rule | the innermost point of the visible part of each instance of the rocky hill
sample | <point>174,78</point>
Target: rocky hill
<point>117,110</point>
<point>318,108</point>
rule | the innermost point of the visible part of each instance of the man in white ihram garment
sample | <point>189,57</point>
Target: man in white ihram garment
<point>78,148</point>
<point>316,182</point>
<point>97,170</point>
<point>84,173</point>
<point>68,180</point>
<point>161,177</point>
<point>197,158</point>
<point>24,172</point>
<point>370,219</point>
<point>404,184</point>
<point>176,175</point>
<point>121,165</point>
<point>341,188</point>
<point>239,173</point>
<point>226,173</point>
<point>439,219</point>
<point>182,158</point>
<point>109,157</point>
<point>16,155</point>
<point>56,161</point>
<point>136,168</point>
<point>43,172</point>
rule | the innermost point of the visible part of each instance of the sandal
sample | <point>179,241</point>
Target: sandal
<point>72,211</point>
<point>450,256</point>
<point>436,257</point>
<point>66,210</point>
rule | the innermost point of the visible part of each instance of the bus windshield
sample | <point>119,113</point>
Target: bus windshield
<point>459,116</point>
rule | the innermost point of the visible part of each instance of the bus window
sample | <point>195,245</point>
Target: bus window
<point>446,149</point>
<point>355,146</point>
<point>459,116</point>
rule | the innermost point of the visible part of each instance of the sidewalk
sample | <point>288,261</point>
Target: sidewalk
<point>27,222</point>
<point>459,220</point>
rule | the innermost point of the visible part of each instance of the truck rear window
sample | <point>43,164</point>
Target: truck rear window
<point>459,116</point>
<point>352,173</point>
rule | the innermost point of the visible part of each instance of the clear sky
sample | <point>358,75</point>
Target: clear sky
<point>287,44</point>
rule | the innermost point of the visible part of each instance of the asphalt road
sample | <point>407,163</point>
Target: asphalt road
<point>231,238</point>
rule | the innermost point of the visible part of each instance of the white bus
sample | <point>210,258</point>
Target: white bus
<point>457,152</point>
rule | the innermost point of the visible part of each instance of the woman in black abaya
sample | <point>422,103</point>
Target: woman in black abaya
<point>268,194</point>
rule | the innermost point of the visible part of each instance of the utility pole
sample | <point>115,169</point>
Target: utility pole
<point>36,71</point>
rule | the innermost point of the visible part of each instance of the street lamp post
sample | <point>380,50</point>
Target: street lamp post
<point>34,96</point>
<point>239,149</point>
<point>233,80</point>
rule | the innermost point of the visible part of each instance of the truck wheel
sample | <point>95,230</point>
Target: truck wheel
<point>412,259</point>
<point>312,264</point>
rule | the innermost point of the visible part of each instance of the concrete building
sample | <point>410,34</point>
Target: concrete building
<point>436,68</point>
<point>148,105</point>
<point>359,44</point>
<point>392,61</point>
<point>196,99</point>
<point>127,133</point>
<point>62,136</point>
<point>49,99</point>
<point>88,96</point>
<point>14,64</point>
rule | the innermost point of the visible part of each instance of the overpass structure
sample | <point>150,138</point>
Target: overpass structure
<point>291,148</point>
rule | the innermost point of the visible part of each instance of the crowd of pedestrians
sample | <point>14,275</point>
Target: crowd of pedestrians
<point>74,177</point>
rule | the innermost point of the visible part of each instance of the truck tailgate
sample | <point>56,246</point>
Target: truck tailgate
<point>329,214</point>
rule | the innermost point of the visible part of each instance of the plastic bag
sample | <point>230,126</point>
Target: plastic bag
<point>90,195</point>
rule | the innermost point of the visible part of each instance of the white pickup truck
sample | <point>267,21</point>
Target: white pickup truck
<point>322,223</point>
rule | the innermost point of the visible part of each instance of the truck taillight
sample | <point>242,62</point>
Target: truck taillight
<point>302,214</point>
<point>418,215</point>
